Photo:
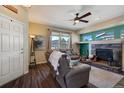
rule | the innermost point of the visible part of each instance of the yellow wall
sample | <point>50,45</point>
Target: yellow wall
<point>21,16</point>
<point>39,29</point>
<point>75,39</point>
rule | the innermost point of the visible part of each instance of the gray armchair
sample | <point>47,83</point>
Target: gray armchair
<point>75,77</point>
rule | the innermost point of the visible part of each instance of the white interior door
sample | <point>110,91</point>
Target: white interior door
<point>11,50</point>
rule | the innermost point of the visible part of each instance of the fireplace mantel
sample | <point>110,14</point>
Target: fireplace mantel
<point>114,41</point>
<point>103,41</point>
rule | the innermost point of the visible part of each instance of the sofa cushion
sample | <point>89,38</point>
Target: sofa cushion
<point>61,80</point>
<point>63,66</point>
<point>73,63</point>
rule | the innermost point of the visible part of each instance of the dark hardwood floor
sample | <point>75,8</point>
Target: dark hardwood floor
<point>38,77</point>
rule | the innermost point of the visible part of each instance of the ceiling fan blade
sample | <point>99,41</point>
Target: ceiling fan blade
<point>85,21</point>
<point>85,15</point>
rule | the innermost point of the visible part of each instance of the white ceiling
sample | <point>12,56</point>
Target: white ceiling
<point>58,15</point>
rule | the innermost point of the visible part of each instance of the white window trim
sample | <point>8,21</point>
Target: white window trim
<point>60,35</point>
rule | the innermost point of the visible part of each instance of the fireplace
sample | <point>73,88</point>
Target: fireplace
<point>108,56</point>
<point>104,54</point>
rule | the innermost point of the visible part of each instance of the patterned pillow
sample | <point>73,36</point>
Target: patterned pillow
<point>69,52</point>
<point>74,63</point>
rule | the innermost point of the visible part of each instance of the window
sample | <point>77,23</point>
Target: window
<point>100,35</point>
<point>87,38</point>
<point>55,42</point>
<point>60,40</point>
<point>104,35</point>
<point>65,41</point>
<point>109,35</point>
<point>122,33</point>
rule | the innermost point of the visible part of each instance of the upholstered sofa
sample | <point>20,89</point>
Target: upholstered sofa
<point>73,55</point>
<point>75,77</point>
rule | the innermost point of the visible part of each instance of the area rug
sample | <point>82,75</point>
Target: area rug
<point>103,79</point>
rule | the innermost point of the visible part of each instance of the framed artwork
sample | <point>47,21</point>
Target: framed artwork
<point>39,43</point>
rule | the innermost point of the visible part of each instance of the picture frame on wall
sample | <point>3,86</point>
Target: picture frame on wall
<point>39,43</point>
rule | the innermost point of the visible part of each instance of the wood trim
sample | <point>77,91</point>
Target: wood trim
<point>70,40</point>
<point>11,8</point>
<point>49,40</point>
<point>61,31</point>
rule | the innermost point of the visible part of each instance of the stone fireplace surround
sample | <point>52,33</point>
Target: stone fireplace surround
<point>115,45</point>
<point>108,52</point>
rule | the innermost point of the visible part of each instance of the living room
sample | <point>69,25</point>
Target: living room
<point>102,36</point>
<point>90,37</point>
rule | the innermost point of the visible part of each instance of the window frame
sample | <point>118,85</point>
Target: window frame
<point>60,36</point>
<point>122,34</point>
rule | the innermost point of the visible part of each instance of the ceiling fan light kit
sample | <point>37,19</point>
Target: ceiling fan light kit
<point>78,19</point>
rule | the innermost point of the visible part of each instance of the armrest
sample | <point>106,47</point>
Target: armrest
<point>78,70</point>
<point>78,76</point>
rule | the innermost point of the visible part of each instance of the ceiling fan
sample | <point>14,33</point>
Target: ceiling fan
<point>78,19</point>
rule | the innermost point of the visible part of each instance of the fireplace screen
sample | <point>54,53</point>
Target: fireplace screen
<point>104,54</point>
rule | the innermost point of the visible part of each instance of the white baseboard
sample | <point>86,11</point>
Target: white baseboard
<point>26,72</point>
